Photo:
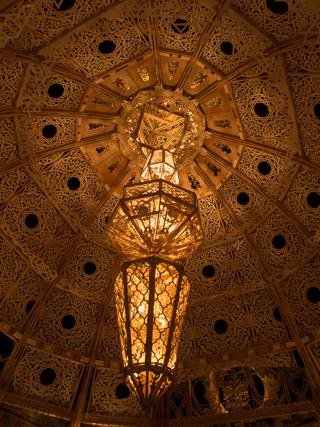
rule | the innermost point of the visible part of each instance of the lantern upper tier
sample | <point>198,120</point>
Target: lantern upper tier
<point>156,217</point>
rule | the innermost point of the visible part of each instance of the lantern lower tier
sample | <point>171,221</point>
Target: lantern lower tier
<point>156,217</point>
<point>151,298</point>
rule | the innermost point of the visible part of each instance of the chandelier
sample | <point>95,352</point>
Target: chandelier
<point>156,224</point>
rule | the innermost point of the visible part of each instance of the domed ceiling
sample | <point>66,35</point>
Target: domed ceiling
<point>232,88</point>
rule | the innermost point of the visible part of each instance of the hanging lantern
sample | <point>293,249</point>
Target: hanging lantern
<point>160,165</point>
<point>151,298</point>
<point>156,217</point>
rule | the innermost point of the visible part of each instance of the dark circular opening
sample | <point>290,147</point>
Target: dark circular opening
<point>89,267</point>
<point>30,305</point>
<point>316,109</point>
<point>278,241</point>
<point>261,109</point>
<point>277,7</point>
<point>106,47</point>
<point>64,5</point>
<point>208,271</point>
<point>313,294</point>
<point>228,48</point>
<point>31,220</point>
<point>47,376</point>
<point>243,198</point>
<point>259,384</point>
<point>107,219</point>
<point>180,26</point>
<point>6,346</point>
<point>277,315</point>
<point>313,199</point>
<point>264,168</point>
<point>73,183</point>
<point>122,391</point>
<point>49,131</point>
<point>68,321</point>
<point>221,327</point>
<point>200,392</point>
<point>55,90</point>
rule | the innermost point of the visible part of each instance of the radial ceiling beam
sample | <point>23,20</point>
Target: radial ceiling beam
<point>56,112</point>
<point>234,141</point>
<point>222,7</point>
<point>282,47</point>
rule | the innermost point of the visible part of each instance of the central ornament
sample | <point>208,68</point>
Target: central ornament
<point>161,119</point>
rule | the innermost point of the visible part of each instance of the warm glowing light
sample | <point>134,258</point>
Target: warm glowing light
<point>151,297</point>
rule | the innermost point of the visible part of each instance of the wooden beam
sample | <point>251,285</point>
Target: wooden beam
<point>56,112</point>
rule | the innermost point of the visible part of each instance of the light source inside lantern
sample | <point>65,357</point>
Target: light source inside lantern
<point>160,165</point>
<point>151,297</point>
<point>156,217</point>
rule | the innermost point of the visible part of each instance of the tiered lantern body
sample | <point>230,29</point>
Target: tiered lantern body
<point>156,217</point>
<point>160,165</point>
<point>151,297</point>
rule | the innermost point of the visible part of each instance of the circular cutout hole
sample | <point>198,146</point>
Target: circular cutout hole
<point>49,131</point>
<point>106,47</point>
<point>122,391</point>
<point>73,183</point>
<point>261,109</point>
<point>64,5</point>
<point>264,168</point>
<point>243,198</point>
<point>30,305</point>
<point>47,376</point>
<point>180,26</point>
<point>208,271</point>
<point>313,294</point>
<point>89,267</point>
<point>68,321</point>
<point>278,241</point>
<point>316,109</point>
<point>313,199</point>
<point>228,48</point>
<point>55,90</point>
<point>277,7</point>
<point>31,221</point>
<point>107,219</point>
<point>277,315</point>
<point>221,327</point>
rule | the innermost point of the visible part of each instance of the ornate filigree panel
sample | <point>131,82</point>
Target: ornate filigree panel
<point>221,326</point>
<point>11,182</point>
<point>186,348</point>
<point>31,218</point>
<point>28,376</point>
<point>68,321</point>
<point>100,223</point>
<point>247,204</point>
<point>105,399</point>
<point>280,243</point>
<point>87,272</point>
<point>211,220</point>
<point>61,92</point>
<point>17,307</point>
<point>11,266</point>
<point>267,322</point>
<point>302,199</point>
<point>54,254</point>
<point>302,290</point>
<point>7,140</point>
<point>306,96</point>
<point>39,133</point>
<point>213,271</point>
<point>270,172</point>
<point>250,272</point>
<point>106,44</point>
<point>263,108</point>
<point>226,55</point>
<point>281,24</point>
<point>73,171</point>
<point>110,346</point>
<point>180,26</point>
<point>11,73</point>
<point>305,58</point>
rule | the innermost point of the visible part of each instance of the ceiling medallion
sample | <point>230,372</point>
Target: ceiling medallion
<point>161,119</point>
